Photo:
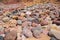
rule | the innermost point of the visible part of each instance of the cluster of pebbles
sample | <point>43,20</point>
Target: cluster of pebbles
<point>37,22</point>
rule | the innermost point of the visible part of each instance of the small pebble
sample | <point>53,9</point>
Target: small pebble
<point>19,22</point>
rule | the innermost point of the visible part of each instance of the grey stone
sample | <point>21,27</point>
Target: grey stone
<point>52,38</point>
<point>1,38</point>
<point>5,19</point>
<point>36,32</point>
<point>19,22</point>
<point>27,32</point>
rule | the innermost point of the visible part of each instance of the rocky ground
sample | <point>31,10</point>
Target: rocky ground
<point>37,22</point>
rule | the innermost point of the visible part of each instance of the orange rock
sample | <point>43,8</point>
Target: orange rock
<point>44,37</point>
<point>20,17</point>
<point>15,17</point>
<point>12,23</point>
<point>22,14</point>
<point>31,38</point>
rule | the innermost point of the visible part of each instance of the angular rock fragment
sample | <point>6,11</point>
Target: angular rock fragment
<point>36,31</point>
<point>25,30</point>
<point>10,36</point>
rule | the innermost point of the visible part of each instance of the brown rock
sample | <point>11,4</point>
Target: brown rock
<point>10,36</point>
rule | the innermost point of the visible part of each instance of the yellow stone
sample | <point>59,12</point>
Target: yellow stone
<point>22,14</point>
<point>15,17</point>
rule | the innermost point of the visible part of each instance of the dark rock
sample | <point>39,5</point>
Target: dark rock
<point>1,38</point>
<point>53,38</point>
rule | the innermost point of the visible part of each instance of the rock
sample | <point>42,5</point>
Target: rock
<point>31,38</point>
<point>18,36</point>
<point>36,31</point>
<point>28,12</point>
<point>10,36</point>
<point>15,17</point>
<point>7,13</point>
<point>15,11</point>
<point>55,30</point>
<point>44,37</point>
<point>19,22</point>
<point>22,14</point>
<point>23,37</point>
<point>1,38</point>
<point>25,30</point>
<point>12,23</point>
<point>52,38</point>
<point>30,18</point>
<point>5,19</point>
<point>24,24</point>
<point>56,33</point>
<point>1,28</point>
<point>44,22</point>
<point>34,24</point>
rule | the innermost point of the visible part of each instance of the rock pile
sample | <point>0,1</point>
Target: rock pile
<point>37,22</point>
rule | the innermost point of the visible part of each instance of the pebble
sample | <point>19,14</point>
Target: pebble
<point>19,22</point>
<point>12,23</point>
<point>10,36</point>
<point>55,30</point>
<point>5,19</point>
<point>1,28</point>
<point>22,14</point>
<point>52,38</point>
<point>25,30</point>
<point>28,12</point>
<point>15,17</point>
<point>36,31</point>
<point>1,38</point>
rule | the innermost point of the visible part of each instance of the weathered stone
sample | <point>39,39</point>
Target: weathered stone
<point>55,30</point>
<point>36,32</point>
<point>1,38</point>
<point>52,38</point>
<point>5,19</point>
<point>25,30</point>
<point>10,36</point>
<point>19,22</point>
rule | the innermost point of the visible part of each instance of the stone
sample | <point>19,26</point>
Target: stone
<point>31,38</point>
<point>12,23</point>
<point>44,37</point>
<point>52,38</point>
<point>44,22</point>
<point>1,38</point>
<point>5,19</point>
<point>15,17</point>
<point>36,31</point>
<point>19,22</point>
<point>10,36</point>
<point>22,14</point>
<point>25,30</point>
<point>7,13</point>
<point>28,12</point>
<point>55,30</point>
<point>23,37</point>
<point>1,28</point>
